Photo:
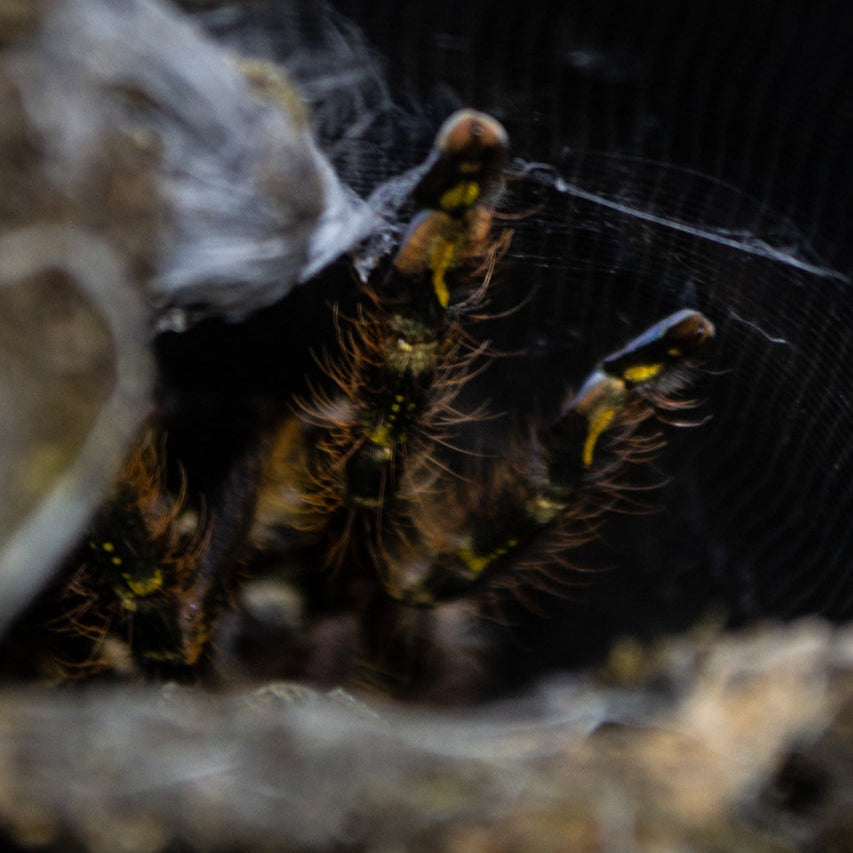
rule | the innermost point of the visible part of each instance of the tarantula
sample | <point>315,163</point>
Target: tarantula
<point>348,495</point>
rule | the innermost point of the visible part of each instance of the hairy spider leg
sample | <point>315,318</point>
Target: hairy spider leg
<point>398,389</point>
<point>647,374</point>
<point>403,357</point>
<point>134,574</point>
<point>548,504</point>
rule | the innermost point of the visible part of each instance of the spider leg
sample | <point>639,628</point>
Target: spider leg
<point>402,360</point>
<point>550,499</point>
<point>627,388</point>
<point>129,584</point>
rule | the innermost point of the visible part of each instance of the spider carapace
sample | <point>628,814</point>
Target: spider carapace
<point>351,499</point>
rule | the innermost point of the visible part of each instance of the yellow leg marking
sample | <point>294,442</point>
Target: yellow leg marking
<point>462,195</point>
<point>442,259</point>
<point>128,602</point>
<point>145,587</point>
<point>599,420</point>
<point>642,373</point>
<point>108,547</point>
<point>381,435</point>
<point>134,589</point>
<point>476,563</point>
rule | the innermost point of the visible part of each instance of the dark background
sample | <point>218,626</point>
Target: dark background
<point>709,151</point>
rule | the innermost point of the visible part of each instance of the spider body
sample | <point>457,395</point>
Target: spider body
<point>348,494</point>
